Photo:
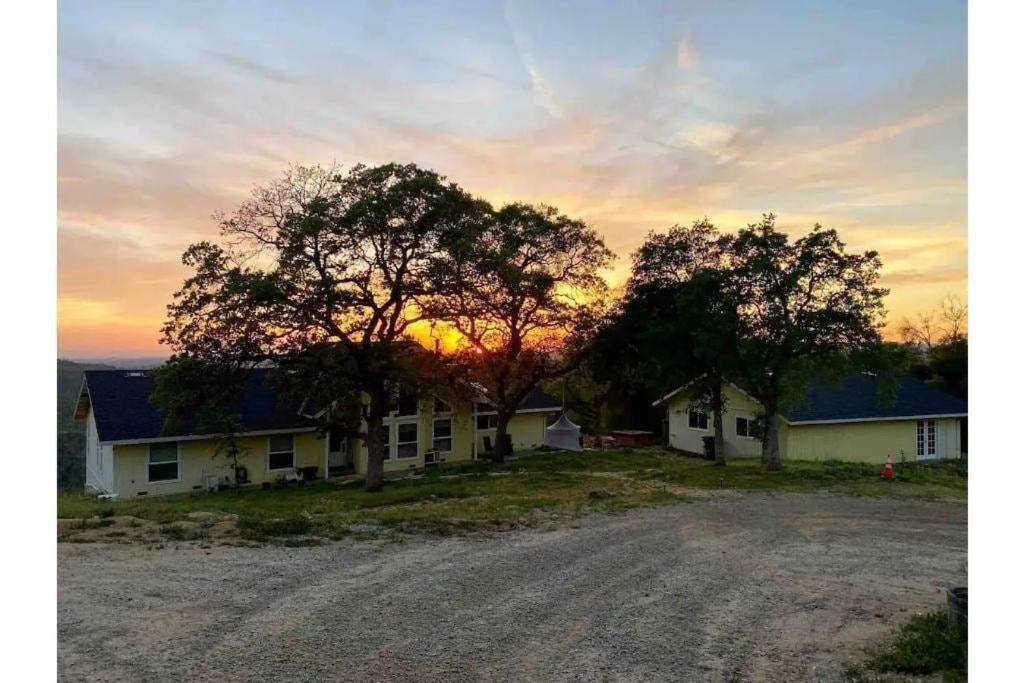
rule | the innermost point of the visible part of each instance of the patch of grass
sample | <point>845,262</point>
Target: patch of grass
<point>92,523</point>
<point>924,646</point>
<point>522,492</point>
<point>259,529</point>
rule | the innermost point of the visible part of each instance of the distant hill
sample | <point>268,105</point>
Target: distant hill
<point>124,363</point>
<point>71,432</point>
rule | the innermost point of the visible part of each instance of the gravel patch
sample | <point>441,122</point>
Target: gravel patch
<point>752,586</point>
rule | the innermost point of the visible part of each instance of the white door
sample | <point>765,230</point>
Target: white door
<point>927,439</point>
<point>337,454</point>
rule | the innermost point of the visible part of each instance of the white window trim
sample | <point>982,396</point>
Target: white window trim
<point>177,479</point>
<point>921,444</point>
<point>698,429</point>
<point>750,424</point>
<point>407,419</point>
<point>280,469</point>
<point>451,434</point>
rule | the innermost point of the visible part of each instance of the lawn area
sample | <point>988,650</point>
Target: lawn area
<point>520,492</point>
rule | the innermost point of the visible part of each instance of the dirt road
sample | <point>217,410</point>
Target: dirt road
<point>734,587</point>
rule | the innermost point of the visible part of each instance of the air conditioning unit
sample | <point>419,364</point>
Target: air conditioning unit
<point>431,457</point>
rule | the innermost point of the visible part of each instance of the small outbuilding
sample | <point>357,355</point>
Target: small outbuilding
<point>564,434</point>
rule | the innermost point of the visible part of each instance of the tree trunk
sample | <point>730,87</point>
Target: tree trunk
<point>374,443</point>
<point>716,407</point>
<point>500,434</point>
<point>771,454</point>
<point>233,454</point>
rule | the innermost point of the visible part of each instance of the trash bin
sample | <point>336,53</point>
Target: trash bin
<point>709,447</point>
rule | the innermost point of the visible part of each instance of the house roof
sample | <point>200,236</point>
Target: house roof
<point>856,398</point>
<point>121,402</point>
<point>535,402</point>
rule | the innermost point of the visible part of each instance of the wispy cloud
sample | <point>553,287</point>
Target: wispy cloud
<point>630,118</point>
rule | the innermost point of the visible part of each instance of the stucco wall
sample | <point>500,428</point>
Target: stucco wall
<point>868,441</point>
<point>686,438</point>
<point>197,462</point>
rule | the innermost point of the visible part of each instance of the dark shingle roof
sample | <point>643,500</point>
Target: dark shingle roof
<point>120,400</point>
<point>857,397</point>
<point>538,400</point>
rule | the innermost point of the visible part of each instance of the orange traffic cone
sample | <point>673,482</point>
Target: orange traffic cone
<point>888,471</point>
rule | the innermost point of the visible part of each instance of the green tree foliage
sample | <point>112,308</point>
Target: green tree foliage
<point>803,304</point>
<point>195,389</point>
<point>938,342</point>
<point>678,320</point>
<point>755,306</point>
<point>323,274</point>
<point>524,293</point>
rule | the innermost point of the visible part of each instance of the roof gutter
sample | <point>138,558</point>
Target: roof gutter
<point>897,418</point>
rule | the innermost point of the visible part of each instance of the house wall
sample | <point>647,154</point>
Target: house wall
<point>525,429</point>
<point>868,441</point>
<point>99,466</point>
<point>462,439</point>
<point>686,438</point>
<point>197,462</point>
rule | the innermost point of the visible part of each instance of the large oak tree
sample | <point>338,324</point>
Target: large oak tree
<point>321,274</point>
<point>803,304</point>
<point>524,293</point>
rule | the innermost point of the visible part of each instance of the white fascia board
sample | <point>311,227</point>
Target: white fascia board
<point>201,437</point>
<point>520,412</point>
<point>897,418</point>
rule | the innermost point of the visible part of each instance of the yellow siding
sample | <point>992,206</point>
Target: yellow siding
<point>686,438</point>
<point>462,439</point>
<point>197,462</point>
<point>526,429</point>
<point>868,441</point>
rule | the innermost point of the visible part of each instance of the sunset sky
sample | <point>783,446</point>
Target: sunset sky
<point>633,116</point>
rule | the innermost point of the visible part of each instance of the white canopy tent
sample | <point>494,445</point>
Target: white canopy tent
<point>563,434</point>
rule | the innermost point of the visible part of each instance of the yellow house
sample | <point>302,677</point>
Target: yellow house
<point>129,453</point>
<point>851,419</point>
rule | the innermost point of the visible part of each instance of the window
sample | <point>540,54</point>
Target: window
<point>698,420</point>
<point>744,427</point>
<point>486,421</point>
<point>281,453</point>
<point>408,441</point>
<point>441,406</point>
<point>443,435</point>
<point>404,404</point>
<point>163,462</point>
<point>925,438</point>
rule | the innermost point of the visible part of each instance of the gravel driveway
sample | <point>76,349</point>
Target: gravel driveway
<point>737,586</point>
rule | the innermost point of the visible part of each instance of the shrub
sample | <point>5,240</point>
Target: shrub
<point>926,645</point>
